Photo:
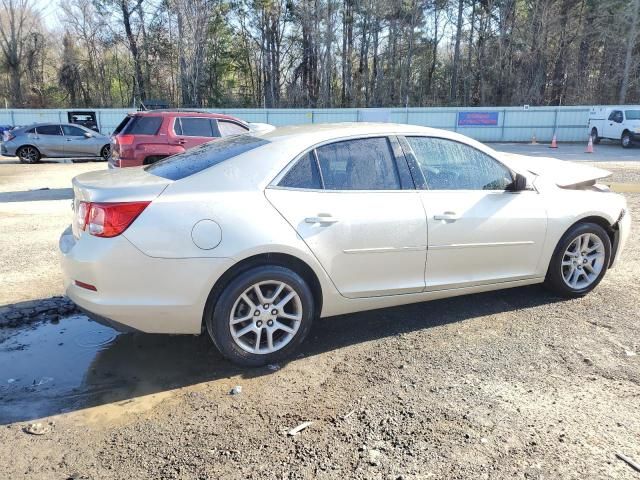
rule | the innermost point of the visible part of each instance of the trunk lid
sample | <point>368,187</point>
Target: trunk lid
<point>563,173</point>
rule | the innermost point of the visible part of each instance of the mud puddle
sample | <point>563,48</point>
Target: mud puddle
<point>48,368</point>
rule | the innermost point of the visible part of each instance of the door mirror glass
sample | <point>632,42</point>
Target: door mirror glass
<point>88,134</point>
<point>518,184</point>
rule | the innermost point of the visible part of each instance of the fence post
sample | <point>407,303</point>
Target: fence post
<point>555,123</point>
<point>504,117</point>
<point>267,116</point>
<point>313,117</point>
<point>13,118</point>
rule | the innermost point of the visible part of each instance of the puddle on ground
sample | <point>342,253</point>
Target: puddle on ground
<point>49,368</point>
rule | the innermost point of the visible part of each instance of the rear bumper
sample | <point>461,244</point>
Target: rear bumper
<point>7,149</point>
<point>135,291</point>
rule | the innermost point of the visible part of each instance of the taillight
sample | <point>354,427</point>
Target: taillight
<point>124,139</point>
<point>108,219</point>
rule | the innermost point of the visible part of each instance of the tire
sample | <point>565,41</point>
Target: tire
<point>567,258</point>
<point>625,140</point>
<point>594,136</point>
<point>105,153</point>
<point>239,303</point>
<point>28,154</point>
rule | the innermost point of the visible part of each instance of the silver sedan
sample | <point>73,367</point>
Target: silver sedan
<point>61,140</point>
<point>254,236</point>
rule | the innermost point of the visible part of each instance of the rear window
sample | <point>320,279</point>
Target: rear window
<point>632,114</point>
<point>204,156</point>
<point>143,125</point>
<point>122,124</point>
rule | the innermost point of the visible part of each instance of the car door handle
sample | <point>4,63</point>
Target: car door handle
<point>322,218</point>
<point>446,216</point>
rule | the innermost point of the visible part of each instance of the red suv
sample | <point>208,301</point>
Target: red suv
<point>143,138</point>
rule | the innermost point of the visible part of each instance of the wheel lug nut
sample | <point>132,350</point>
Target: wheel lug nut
<point>270,323</point>
<point>259,323</point>
<point>274,312</point>
<point>256,313</point>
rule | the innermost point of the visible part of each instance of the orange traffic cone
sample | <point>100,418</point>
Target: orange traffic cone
<point>589,145</point>
<point>554,143</point>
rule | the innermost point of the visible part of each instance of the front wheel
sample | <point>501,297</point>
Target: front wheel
<point>579,261</point>
<point>262,316</point>
<point>626,140</point>
<point>28,154</point>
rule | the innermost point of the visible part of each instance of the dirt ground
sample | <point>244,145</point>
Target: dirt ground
<point>509,384</point>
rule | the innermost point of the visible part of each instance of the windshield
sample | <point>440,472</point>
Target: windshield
<point>632,114</point>
<point>204,156</point>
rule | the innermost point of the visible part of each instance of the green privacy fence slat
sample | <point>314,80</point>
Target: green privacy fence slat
<point>515,124</point>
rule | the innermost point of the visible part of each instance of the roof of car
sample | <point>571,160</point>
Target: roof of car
<point>316,133</point>
<point>185,113</point>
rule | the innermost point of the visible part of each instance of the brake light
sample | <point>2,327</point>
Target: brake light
<point>108,219</point>
<point>125,139</point>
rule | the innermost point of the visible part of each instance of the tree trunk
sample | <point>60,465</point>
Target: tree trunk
<point>453,93</point>
<point>631,42</point>
<point>140,90</point>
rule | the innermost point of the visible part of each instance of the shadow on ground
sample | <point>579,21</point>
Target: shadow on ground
<point>75,363</point>
<point>37,195</point>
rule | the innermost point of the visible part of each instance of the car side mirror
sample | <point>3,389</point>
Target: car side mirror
<point>88,134</point>
<point>519,183</point>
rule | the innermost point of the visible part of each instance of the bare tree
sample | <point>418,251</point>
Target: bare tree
<point>18,21</point>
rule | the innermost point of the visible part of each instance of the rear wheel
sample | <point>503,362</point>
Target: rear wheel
<point>594,135</point>
<point>105,152</point>
<point>28,154</point>
<point>262,316</point>
<point>625,140</point>
<point>580,260</point>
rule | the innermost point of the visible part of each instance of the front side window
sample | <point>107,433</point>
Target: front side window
<point>230,128</point>
<point>362,164</point>
<point>49,130</point>
<point>71,131</point>
<point>449,165</point>
<point>616,116</point>
<point>304,174</point>
<point>195,127</point>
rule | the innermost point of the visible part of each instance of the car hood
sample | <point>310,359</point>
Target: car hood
<point>561,172</point>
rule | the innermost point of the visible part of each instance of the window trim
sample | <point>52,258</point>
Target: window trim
<point>415,168</point>
<point>274,184</point>
<point>211,121</point>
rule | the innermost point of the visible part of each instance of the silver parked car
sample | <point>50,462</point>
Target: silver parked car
<point>33,142</point>
<point>253,236</point>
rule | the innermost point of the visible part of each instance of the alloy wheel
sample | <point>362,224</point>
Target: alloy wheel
<point>105,153</point>
<point>265,317</point>
<point>583,261</point>
<point>28,154</point>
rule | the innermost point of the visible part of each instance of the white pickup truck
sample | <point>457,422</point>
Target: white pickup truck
<point>615,123</point>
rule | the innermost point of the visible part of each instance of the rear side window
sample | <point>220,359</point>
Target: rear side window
<point>143,125</point>
<point>362,164</point>
<point>304,174</point>
<point>196,127</point>
<point>204,156</point>
<point>229,128</point>
<point>49,130</point>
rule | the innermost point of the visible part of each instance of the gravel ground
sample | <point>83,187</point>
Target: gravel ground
<point>510,384</point>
